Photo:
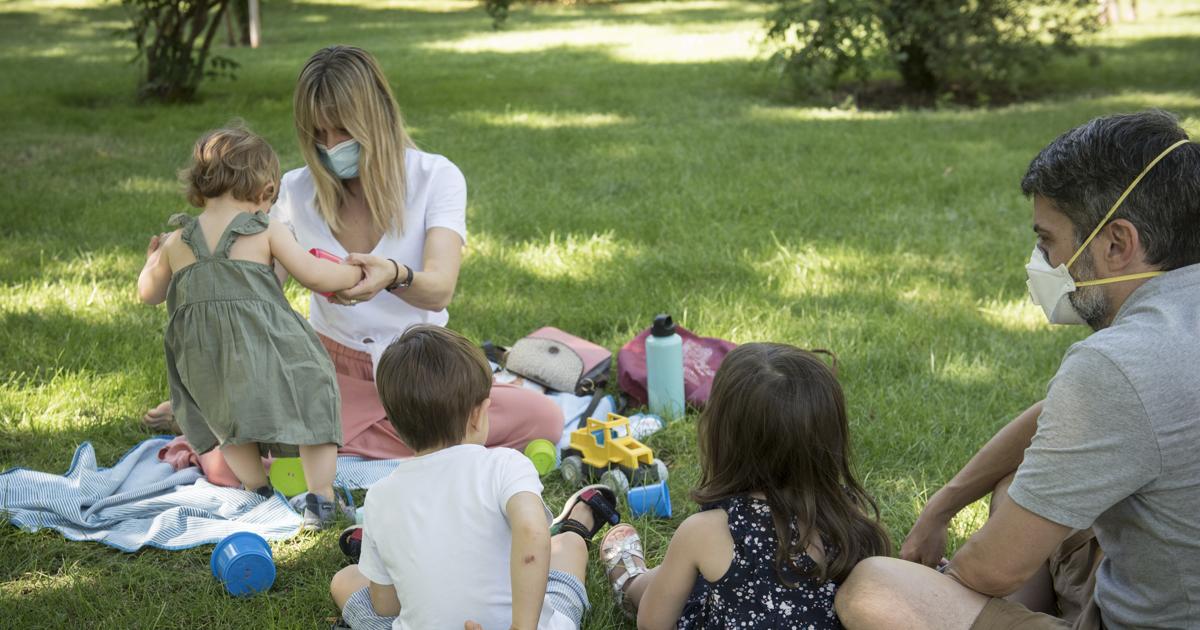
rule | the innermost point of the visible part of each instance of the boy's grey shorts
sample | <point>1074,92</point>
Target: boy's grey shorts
<point>564,593</point>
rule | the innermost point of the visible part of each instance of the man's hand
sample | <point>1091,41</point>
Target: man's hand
<point>926,541</point>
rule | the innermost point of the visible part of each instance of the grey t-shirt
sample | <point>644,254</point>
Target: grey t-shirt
<point>1118,449</point>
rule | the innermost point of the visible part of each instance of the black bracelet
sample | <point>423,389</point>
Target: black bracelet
<point>397,283</point>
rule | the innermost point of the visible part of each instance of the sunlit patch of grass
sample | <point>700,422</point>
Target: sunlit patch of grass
<point>141,184</point>
<point>524,119</point>
<point>677,42</point>
<point>558,257</point>
<point>969,520</point>
<point>439,6</point>
<point>781,114</point>
<point>1017,315</point>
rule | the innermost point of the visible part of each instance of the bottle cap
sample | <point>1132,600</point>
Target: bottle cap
<point>664,326</point>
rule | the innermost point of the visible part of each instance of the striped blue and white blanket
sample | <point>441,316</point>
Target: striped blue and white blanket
<point>142,501</point>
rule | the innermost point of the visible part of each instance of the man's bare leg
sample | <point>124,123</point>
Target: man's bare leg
<point>893,594</point>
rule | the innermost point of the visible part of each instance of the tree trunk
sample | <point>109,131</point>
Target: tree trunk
<point>914,69</point>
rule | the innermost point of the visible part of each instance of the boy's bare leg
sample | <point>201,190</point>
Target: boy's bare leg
<point>569,552</point>
<point>320,465</point>
<point>246,463</point>
<point>894,594</point>
<point>345,583</point>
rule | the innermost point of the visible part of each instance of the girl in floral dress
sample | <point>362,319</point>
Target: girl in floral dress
<point>783,519</point>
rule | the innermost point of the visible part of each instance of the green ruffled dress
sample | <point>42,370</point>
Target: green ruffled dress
<point>243,366</point>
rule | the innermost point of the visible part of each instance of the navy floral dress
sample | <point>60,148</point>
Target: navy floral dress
<point>750,594</point>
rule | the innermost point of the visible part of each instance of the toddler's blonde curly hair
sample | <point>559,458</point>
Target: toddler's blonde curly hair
<point>233,160</point>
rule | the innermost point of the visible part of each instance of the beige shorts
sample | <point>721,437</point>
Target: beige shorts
<point>1073,570</point>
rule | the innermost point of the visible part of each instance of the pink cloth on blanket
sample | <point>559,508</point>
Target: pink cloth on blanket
<point>179,454</point>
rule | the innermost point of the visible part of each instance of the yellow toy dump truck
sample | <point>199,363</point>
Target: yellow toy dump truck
<point>606,450</point>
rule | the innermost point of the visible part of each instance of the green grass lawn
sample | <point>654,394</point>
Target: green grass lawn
<point>622,160</point>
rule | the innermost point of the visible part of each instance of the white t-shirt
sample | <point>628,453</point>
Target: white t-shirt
<point>436,530</point>
<point>437,197</point>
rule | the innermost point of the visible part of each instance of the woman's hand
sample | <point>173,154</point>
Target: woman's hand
<point>926,541</point>
<point>155,277</point>
<point>154,249</point>
<point>378,273</point>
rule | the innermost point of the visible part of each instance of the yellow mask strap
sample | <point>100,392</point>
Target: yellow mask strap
<point>1113,210</point>
<point>1134,276</point>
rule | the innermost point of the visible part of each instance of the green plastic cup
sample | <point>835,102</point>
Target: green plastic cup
<point>287,475</point>
<point>543,454</point>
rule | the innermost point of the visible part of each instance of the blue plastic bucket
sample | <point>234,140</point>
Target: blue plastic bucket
<point>242,561</point>
<point>653,499</point>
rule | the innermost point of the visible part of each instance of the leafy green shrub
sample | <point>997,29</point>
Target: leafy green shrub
<point>173,38</point>
<point>498,9</point>
<point>966,47</point>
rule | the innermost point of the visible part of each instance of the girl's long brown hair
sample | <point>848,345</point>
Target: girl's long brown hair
<point>776,424</point>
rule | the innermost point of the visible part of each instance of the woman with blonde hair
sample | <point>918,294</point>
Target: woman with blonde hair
<point>368,195</point>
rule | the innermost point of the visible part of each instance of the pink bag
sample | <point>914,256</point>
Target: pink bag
<point>560,361</point>
<point>701,358</point>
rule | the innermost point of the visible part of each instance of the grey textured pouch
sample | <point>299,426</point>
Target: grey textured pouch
<point>546,362</point>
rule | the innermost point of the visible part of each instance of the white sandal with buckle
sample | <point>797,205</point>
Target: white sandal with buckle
<point>620,546</point>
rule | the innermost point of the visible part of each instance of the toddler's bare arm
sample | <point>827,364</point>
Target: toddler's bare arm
<point>313,273</point>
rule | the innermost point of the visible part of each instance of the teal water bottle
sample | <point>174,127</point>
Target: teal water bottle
<point>664,369</point>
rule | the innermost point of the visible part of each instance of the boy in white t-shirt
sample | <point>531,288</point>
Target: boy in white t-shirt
<point>458,533</point>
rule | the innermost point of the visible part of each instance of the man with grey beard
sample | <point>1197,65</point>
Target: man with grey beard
<point>1116,211</point>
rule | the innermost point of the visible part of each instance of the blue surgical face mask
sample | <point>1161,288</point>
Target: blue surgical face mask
<point>342,159</point>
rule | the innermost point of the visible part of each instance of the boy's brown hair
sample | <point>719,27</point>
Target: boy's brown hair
<point>231,160</point>
<point>430,380</point>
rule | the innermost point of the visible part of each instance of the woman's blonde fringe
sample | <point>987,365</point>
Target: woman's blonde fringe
<point>343,87</point>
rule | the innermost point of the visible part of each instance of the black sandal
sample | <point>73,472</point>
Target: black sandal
<point>350,542</point>
<point>603,503</point>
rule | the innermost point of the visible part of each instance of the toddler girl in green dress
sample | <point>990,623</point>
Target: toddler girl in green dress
<point>247,373</point>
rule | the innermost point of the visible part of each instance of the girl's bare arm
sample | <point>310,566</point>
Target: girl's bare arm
<point>308,270</point>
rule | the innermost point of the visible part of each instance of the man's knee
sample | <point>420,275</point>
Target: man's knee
<point>865,599</point>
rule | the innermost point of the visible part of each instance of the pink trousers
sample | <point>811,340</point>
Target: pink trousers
<point>516,416</point>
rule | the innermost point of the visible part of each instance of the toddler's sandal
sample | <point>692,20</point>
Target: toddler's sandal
<point>621,548</point>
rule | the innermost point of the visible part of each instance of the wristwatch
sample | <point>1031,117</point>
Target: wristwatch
<point>398,283</point>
